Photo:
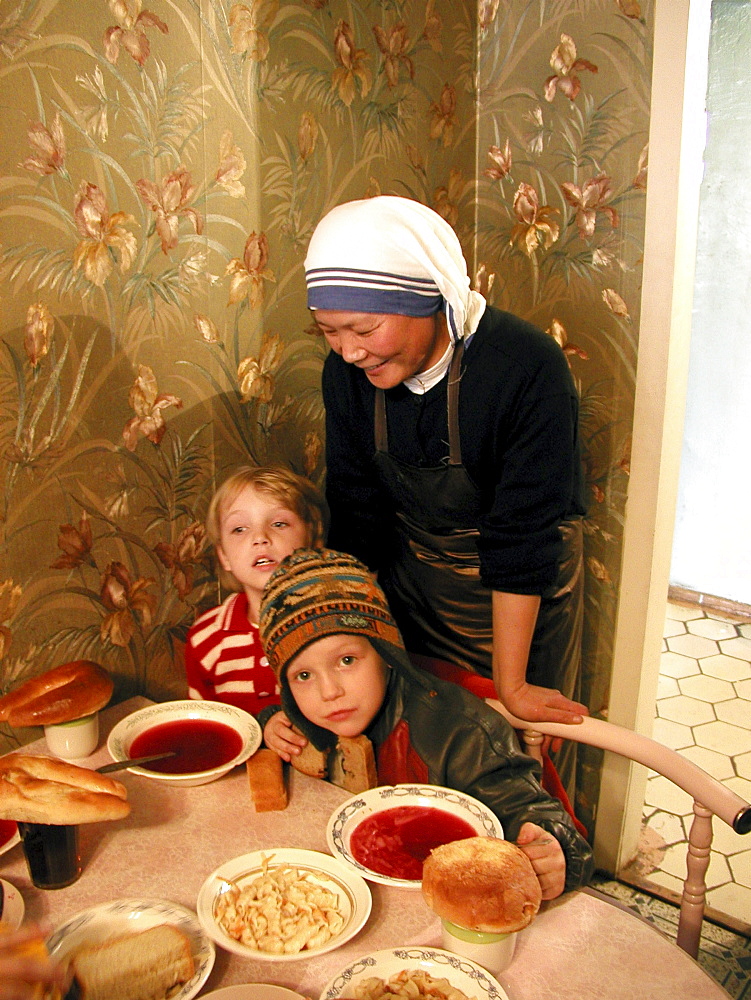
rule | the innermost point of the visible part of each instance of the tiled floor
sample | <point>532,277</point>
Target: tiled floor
<point>703,711</point>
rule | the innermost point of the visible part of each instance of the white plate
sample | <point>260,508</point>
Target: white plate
<point>126,915</point>
<point>15,838</point>
<point>347,816</point>
<point>13,905</point>
<point>353,892</point>
<point>127,729</point>
<point>254,991</point>
<point>463,974</point>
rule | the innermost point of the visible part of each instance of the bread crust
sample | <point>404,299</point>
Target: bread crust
<point>482,883</point>
<point>266,779</point>
<point>70,691</point>
<point>36,789</point>
<point>352,765</point>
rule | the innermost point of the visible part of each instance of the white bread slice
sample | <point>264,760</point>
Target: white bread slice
<point>352,764</point>
<point>266,779</point>
<point>140,966</point>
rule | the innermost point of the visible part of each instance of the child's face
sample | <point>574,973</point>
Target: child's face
<point>256,532</point>
<point>339,682</point>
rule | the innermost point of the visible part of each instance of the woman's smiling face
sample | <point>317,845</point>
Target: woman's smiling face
<point>387,348</point>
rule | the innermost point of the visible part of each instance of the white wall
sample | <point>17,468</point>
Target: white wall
<point>712,540</point>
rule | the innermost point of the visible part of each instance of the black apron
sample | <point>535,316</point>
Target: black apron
<point>433,579</point>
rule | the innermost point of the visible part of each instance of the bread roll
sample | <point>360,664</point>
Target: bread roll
<point>48,790</point>
<point>62,694</point>
<point>140,966</point>
<point>483,884</point>
<point>266,778</point>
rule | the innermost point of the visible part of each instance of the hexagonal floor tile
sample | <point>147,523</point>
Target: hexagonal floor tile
<point>692,645</point>
<point>740,647</point>
<point>736,712</point>
<point>711,628</point>
<point>672,734</point>
<point>677,665</point>
<point>683,613</point>
<point>722,737</point>
<point>733,899</point>
<point>740,867</point>
<point>667,687</point>
<point>711,689</point>
<point>743,689</point>
<point>671,628</point>
<point>743,765</point>
<point>689,711</point>
<point>727,668</point>
<point>663,794</point>
<point>668,827</point>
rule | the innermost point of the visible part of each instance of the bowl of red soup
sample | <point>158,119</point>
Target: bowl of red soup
<point>386,833</point>
<point>207,738</point>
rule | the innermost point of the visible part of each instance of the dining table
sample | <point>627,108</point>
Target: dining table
<point>581,945</point>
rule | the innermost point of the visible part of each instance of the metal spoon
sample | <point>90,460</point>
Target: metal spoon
<point>135,761</point>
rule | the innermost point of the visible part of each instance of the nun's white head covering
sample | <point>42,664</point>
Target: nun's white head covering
<point>392,256</point>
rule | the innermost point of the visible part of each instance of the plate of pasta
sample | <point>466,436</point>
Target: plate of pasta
<point>413,973</point>
<point>284,904</point>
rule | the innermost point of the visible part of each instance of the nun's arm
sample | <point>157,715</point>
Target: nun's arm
<point>514,617</point>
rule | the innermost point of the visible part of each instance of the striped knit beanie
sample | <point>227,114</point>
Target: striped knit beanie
<point>318,592</point>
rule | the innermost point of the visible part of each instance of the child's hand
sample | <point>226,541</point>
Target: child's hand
<point>25,964</point>
<point>279,735</point>
<point>547,858</point>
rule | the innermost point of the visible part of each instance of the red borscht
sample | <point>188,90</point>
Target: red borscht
<point>200,745</point>
<point>395,842</point>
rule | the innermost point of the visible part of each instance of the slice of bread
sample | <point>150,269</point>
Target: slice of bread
<point>266,778</point>
<point>310,761</point>
<point>140,966</point>
<point>352,764</point>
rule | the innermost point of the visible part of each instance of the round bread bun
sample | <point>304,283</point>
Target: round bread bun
<point>36,789</point>
<point>483,884</point>
<point>70,691</point>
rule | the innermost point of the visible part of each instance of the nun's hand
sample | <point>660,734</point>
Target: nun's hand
<point>541,704</point>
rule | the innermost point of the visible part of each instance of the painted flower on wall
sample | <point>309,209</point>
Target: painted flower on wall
<point>615,303</point>
<point>145,399</point>
<point>535,227</point>
<point>129,31</point>
<point>49,148</point>
<point>558,332</point>
<point>352,66</point>
<point>75,542</point>
<point>307,135</point>
<point>443,116</point>
<point>127,601</point>
<point>10,595</point>
<point>231,166</point>
<point>249,26</point>
<point>249,274</point>
<point>500,160</point>
<point>102,234</point>
<point>207,328</point>
<point>640,180</point>
<point>256,376</point>
<point>445,199</point>
<point>433,27</point>
<point>182,556</point>
<point>37,332</point>
<point>588,200</point>
<point>394,46</point>
<point>566,66</point>
<point>170,200</point>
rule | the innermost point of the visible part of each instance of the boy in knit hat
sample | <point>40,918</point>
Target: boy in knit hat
<point>333,643</point>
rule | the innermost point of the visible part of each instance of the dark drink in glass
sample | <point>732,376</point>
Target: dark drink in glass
<point>52,854</point>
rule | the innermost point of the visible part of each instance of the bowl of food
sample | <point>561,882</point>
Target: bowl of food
<point>413,973</point>
<point>283,904</point>
<point>386,833</point>
<point>207,738</point>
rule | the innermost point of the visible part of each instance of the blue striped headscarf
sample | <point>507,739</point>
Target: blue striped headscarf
<point>392,256</point>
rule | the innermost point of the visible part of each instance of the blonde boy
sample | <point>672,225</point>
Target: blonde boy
<point>256,518</point>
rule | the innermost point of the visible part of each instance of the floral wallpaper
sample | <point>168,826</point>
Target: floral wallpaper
<point>162,169</point>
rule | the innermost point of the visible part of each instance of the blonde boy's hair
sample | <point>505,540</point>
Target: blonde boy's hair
<point>295,492</point>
